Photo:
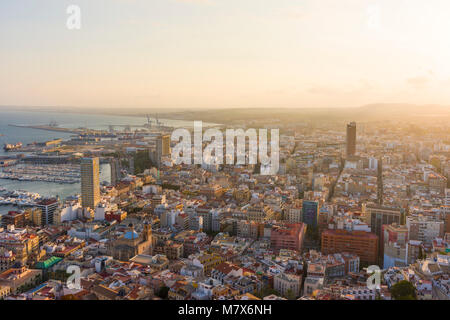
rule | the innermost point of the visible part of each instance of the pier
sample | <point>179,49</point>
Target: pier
<point>49,128</point>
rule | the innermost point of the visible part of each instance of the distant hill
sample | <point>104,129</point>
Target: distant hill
<point>402,110</point>
<point>370,112</point>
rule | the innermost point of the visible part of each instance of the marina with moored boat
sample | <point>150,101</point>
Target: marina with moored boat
<point>12,147</point>
<point>47,173</point>
<point>18,197</point>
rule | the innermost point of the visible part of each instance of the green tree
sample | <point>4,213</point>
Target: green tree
<point>290,295</point>
<point>421,254</point>
<point>142,161</point>
<point>170,186</point>
<point>363,265</point>
<point>212,233</point>
<point>163,292</point>
<point>403,290</point>
<point>266,291</point>
<point>312,233</point>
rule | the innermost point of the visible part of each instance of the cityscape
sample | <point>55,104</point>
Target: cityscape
<point>251,202</point>
<point>344,199</point>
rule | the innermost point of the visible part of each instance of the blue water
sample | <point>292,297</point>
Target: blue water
<point>67,120</point>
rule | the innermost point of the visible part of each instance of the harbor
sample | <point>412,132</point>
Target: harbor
<point>46,189</point>
<point>12,147</point>
<point>53,128</point>
<point>63,174</point>
<point>51,142</point>
<point>20,198</point>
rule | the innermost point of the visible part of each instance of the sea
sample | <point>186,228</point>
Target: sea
<point>10,134</point>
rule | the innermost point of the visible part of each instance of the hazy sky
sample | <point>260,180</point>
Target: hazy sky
<point>225,53</point>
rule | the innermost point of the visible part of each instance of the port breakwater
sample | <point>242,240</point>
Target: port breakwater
<point>49,128</point>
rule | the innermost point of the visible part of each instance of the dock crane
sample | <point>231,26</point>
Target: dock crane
<point>157,121</point>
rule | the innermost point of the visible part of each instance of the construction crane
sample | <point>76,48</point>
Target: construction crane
<point>149,122</point>
<point>157,121</point>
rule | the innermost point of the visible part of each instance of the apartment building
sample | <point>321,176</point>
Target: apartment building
<point>287,236</point>
<point>424,228</point>
<point>364,244</point>
<point>286,283</point>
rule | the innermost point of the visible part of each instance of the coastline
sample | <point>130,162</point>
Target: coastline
<point>239,115</point>
<point>161,114</point>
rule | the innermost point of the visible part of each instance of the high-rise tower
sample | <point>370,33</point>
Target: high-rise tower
<point>351,139</point>
<point>380,182</point>
<point>90,182</point>
<point>115,171</point>
<point>162,149</point>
